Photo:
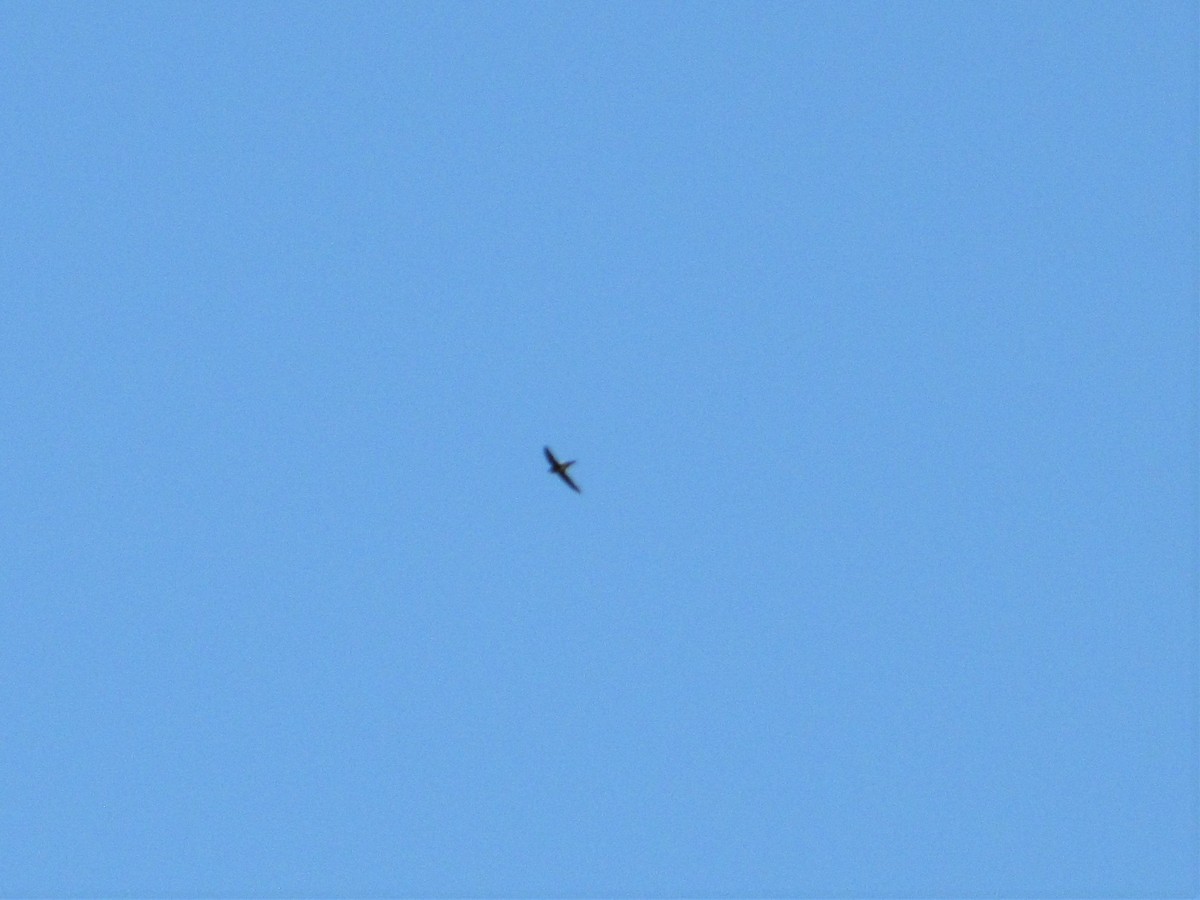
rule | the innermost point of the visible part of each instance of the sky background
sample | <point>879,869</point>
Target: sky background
<point>873,329</point>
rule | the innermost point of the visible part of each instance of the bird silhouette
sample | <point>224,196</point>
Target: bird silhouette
<point>560,469</point>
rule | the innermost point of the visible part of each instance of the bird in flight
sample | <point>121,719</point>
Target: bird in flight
<point>560,469</point>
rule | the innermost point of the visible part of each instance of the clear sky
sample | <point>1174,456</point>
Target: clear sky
<point>873,329</point>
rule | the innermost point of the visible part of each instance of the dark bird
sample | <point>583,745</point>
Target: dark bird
<point>560,469</point>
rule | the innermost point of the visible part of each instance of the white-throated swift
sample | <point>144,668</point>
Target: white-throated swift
<point>560,469</point>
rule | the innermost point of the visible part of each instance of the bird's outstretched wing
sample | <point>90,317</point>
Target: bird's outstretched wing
<point>550,457</point>
<point>571,484</point>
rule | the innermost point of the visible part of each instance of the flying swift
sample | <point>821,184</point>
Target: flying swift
<point>560,469</point>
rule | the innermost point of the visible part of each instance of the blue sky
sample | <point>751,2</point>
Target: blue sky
<point>873,329</point>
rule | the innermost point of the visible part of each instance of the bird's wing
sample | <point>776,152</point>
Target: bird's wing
<point>550,457</point>
<point>567,478</point>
